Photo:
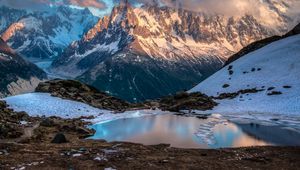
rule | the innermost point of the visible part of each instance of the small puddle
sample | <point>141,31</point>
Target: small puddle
<point>192,132</point>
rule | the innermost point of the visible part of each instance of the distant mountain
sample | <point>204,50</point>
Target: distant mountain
<point>44,34</point>
<point>16,74</point>
<point>259,44</point>
<point>263,80</point>
<point>149,52</point>
<point>9,16</point>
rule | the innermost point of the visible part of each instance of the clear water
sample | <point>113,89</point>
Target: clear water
<point>191,132</point>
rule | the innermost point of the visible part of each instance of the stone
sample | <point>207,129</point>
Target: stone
<point>59,139</point>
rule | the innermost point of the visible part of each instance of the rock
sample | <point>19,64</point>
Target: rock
<point>74,90</point>
<point>59,138</point>
<point>287,87</point>
<point>202,116</point>
<point>225,86</point>
<point>84,131</point>
<point>47,123</point>
<point>275,93</point>
<point>187,101</point>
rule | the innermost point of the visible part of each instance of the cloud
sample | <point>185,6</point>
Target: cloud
<point>87,3</point>
<point>43,4</point>
<point>267,11</point>
<point>264,10</point>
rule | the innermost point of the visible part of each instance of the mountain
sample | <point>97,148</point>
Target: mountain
<point>8,16</point>
<point>16,74</point>
<point>259,44</point>
<point>44,34</point>
<point>264,80</point>
<point>150,51</point>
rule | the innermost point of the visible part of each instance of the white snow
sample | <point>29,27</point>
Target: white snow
<point>111,48</point>
<point>280,66</point>
<point>43,104</point>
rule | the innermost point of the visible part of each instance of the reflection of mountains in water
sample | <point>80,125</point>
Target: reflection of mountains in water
<point>123,129</point>
<point>272,134</point>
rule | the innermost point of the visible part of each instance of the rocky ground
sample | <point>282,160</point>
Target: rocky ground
<point>87,154</point>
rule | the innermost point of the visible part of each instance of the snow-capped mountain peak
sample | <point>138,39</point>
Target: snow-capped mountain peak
<point>44,34</point>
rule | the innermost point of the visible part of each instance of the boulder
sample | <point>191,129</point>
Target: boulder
<point>59,139</point>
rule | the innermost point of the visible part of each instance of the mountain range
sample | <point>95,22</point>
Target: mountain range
<point>140,53</point>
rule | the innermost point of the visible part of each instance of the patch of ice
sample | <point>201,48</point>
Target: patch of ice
<point>100,158</point>
<point>76,155</point>
<point>23,122</point>
<point>128,114</point>
<point>109,168</point>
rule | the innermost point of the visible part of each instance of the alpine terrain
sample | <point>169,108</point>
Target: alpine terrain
<point>140,53</point>
<point>17,75</point>
<point>44,34</point>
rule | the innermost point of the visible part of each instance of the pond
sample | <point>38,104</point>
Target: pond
<point>192,132</point>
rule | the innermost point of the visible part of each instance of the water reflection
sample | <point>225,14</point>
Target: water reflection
<point>274,134</point>
<point>183,132</point>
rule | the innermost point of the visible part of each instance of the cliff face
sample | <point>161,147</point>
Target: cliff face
<point>16,74</point>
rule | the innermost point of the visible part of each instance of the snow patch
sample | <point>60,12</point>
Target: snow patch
<point>43,104</point>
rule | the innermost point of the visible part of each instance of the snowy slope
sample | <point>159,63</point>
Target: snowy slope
<point>276,65</point>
